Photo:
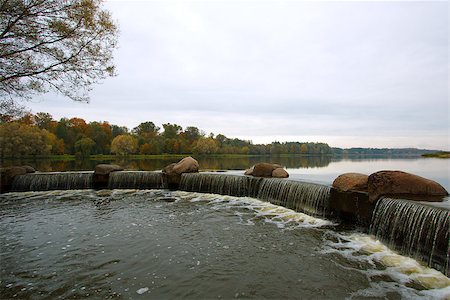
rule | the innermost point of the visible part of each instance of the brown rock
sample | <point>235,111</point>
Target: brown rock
<point>249,171</point>
<point>186,165</point>
<point>173,171</point>
<point>264,169</point>
<point>404,185</point>
<point>105,169</point>
<point>280,173</point>
<point>169,169</point>
<point>351,182</point>
<point>14,171</point>
<point>7,175</point>
<point>29,169</point>
<point>100,178</point>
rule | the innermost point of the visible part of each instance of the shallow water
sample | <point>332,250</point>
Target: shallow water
<point>159,244</point>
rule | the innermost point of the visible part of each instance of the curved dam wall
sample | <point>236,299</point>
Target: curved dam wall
<point>52,181</point>
<point>304,197</point>
<point>415,229</point>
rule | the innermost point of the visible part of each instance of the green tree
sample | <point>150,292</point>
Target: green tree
<point>146,149</point>
<point>171,146</point>
<point>84,147</point>
<point>62,129</point>
<point>171,131</point>
<point>118,130</point>
<point>192,134</point>
<point>220,138</point>
<point>124,145</point>
<point>101,133</point>
<point>23,140</point>
<point>44,120</point>
<point>205,146</point>
<point>146,128</point>
<point>64,46</point>
<point>304,149</point>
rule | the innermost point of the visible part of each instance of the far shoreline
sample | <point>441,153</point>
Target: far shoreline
<point>100,157</point>
<point>440,154</point>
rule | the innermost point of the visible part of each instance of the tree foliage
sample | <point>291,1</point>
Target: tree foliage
<point>76,136</point>
<point>171,130</point>
<point>124,145</point>
<point>84,147</point>
<point>24,140</point>
<point>60,45</point>
<point>205,146</point>
<point>146,128</point>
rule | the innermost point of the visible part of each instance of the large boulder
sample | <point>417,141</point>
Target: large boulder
<point>100,178</point>
<point>186,165</point>
<point>351,182</point>
<point>169,169</point>
<point>248,172</point>
<point>404,185</point>
<point>105,169</point>
<point>280,173</point>
<point>264,169</point>
<point>28,169</point>
<point>173,171</point>
<point>7,176</point>
<point>267,170</point>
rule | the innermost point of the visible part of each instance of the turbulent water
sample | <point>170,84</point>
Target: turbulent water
<point>159,244</point>
<point>299,196</point>
<point>415,229</point>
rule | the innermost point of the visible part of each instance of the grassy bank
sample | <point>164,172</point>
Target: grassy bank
<point>442,154</point>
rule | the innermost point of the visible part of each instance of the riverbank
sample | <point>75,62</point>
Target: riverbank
<point>442,154</point>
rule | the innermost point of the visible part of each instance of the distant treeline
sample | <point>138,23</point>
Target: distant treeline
<point>380,152</point>
<point>41,135</point>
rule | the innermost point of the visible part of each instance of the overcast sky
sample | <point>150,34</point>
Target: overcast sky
<point>352,74</point>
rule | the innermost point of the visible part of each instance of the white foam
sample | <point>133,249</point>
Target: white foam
<point>142,290</point>
<point>278,215</point>
<point>404,271</point>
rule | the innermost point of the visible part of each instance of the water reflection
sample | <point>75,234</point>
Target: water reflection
<point>206,163</point>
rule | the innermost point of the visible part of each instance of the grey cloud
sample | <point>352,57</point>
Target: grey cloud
<point>278,68</point>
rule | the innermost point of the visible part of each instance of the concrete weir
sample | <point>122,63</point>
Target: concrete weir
<point>310,198</point>
<point>350,207</point>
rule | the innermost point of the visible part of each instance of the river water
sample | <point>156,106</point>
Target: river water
<point>159,244</point>
<point>320,169</point>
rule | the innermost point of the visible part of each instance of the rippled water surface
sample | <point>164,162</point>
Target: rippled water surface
<point>163,245</point>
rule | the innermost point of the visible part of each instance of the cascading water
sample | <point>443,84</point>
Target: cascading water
<point>52,181</point>
<point>417,230</point>
<point>299,196</point>
<point>232,185</point>
<point>305,197</point>
<point>136,180</point>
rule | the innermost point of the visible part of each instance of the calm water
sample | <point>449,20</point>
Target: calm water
<point>163,245</point>
<point>317,169</point>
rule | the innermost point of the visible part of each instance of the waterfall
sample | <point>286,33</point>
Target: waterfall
<point>305,197</point>
<point>52,181</point>
<point>232,185</point>
<point>299,196</point>
<point>417,230</point>
<point>136,180</point>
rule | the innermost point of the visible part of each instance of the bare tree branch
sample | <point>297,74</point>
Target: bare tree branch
<point>65,46</point>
